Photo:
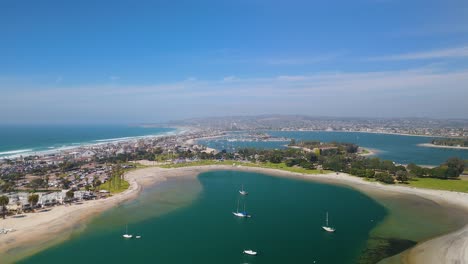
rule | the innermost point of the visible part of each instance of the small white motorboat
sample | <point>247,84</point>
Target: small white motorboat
<point>137,236</point>
<point>250,252</point>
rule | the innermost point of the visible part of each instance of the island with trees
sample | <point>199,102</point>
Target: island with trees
<point>451,142</point>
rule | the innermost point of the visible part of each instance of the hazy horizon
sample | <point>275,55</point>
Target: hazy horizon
<point>169,121</point>
<point>152,61</point>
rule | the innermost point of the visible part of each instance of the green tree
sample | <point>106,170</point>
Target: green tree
<point>46,180</point>
<point>97,183</point>
<point>312,157</point>
<point>36,183</point>
<point>416,170</point>
<point>388,165</point>
<point>4,200</point>
<point>370,173</point>
<point>275,157</point>
<point>334,163</point>
<point>293,142</point>
<point>384,177</point>
<point>33,199</point>
<point>374,163</point>
<point>70,195</point>
<point>402,176</point>
<point>455,166</point>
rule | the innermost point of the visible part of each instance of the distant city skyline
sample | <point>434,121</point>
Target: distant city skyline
<point>155,61</point>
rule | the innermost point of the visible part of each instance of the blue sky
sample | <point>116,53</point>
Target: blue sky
<point>145,61</point>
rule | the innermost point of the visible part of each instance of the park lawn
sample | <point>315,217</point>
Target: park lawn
<point>439,184</point>
<point>269,165</point>
<point>282,166</point>
<point>114,187</point>
<point>198,163</point>
<point>136,164</point>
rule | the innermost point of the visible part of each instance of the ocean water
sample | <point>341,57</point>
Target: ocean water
<point>26,140</point>
<point>191,221</point>
<point>398,148</point>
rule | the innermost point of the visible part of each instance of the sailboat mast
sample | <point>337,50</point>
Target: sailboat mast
<point>327,219</point>
<point>237,205</point>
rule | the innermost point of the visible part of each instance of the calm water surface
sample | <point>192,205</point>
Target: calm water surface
<point>398,148</point>
<point>190,221</point>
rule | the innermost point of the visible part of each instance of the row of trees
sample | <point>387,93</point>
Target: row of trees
<point>346,160</point>
<point>33,199</point>
<point>462,142</point>
<point>452,168</point>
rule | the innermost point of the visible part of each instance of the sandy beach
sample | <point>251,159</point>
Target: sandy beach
<point>40,230</point>
<point>56,225</point>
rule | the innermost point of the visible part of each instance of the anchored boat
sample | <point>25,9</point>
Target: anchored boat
<point>327,227</point>
<point>250,252</point>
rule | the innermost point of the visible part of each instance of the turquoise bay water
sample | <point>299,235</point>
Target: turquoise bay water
<point>186,221</point>
<point>398,148</point>
<point>23,140</point>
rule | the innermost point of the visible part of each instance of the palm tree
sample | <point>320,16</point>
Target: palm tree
<point>47,182</point>
<point>18,206</point>
<point>4,200</point>
<point>33,199</point>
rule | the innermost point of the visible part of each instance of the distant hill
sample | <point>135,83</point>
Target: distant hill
<point>413,126</point>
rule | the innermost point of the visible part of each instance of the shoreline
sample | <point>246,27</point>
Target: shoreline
<point>27,152</point>
<point>369,132</point>
<point>370,152</point>
<point>430,145</point>
<point>32,229</point>
<point>61,221</point>
<point>178,131</point>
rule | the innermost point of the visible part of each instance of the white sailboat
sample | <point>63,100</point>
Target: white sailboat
<point>250,252</point>
<point>327,227</point>
<point>240,214</point>
<point>126,235</point>
<point>242,191</point>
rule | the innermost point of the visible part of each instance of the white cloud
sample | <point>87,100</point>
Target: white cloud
<point>459,52</point>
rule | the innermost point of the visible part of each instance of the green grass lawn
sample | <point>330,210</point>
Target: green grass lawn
<point>438,184</point>
<point>199,163</point>
<point>282,166</point>
<point>278,166</point>
<point>115,186</point>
